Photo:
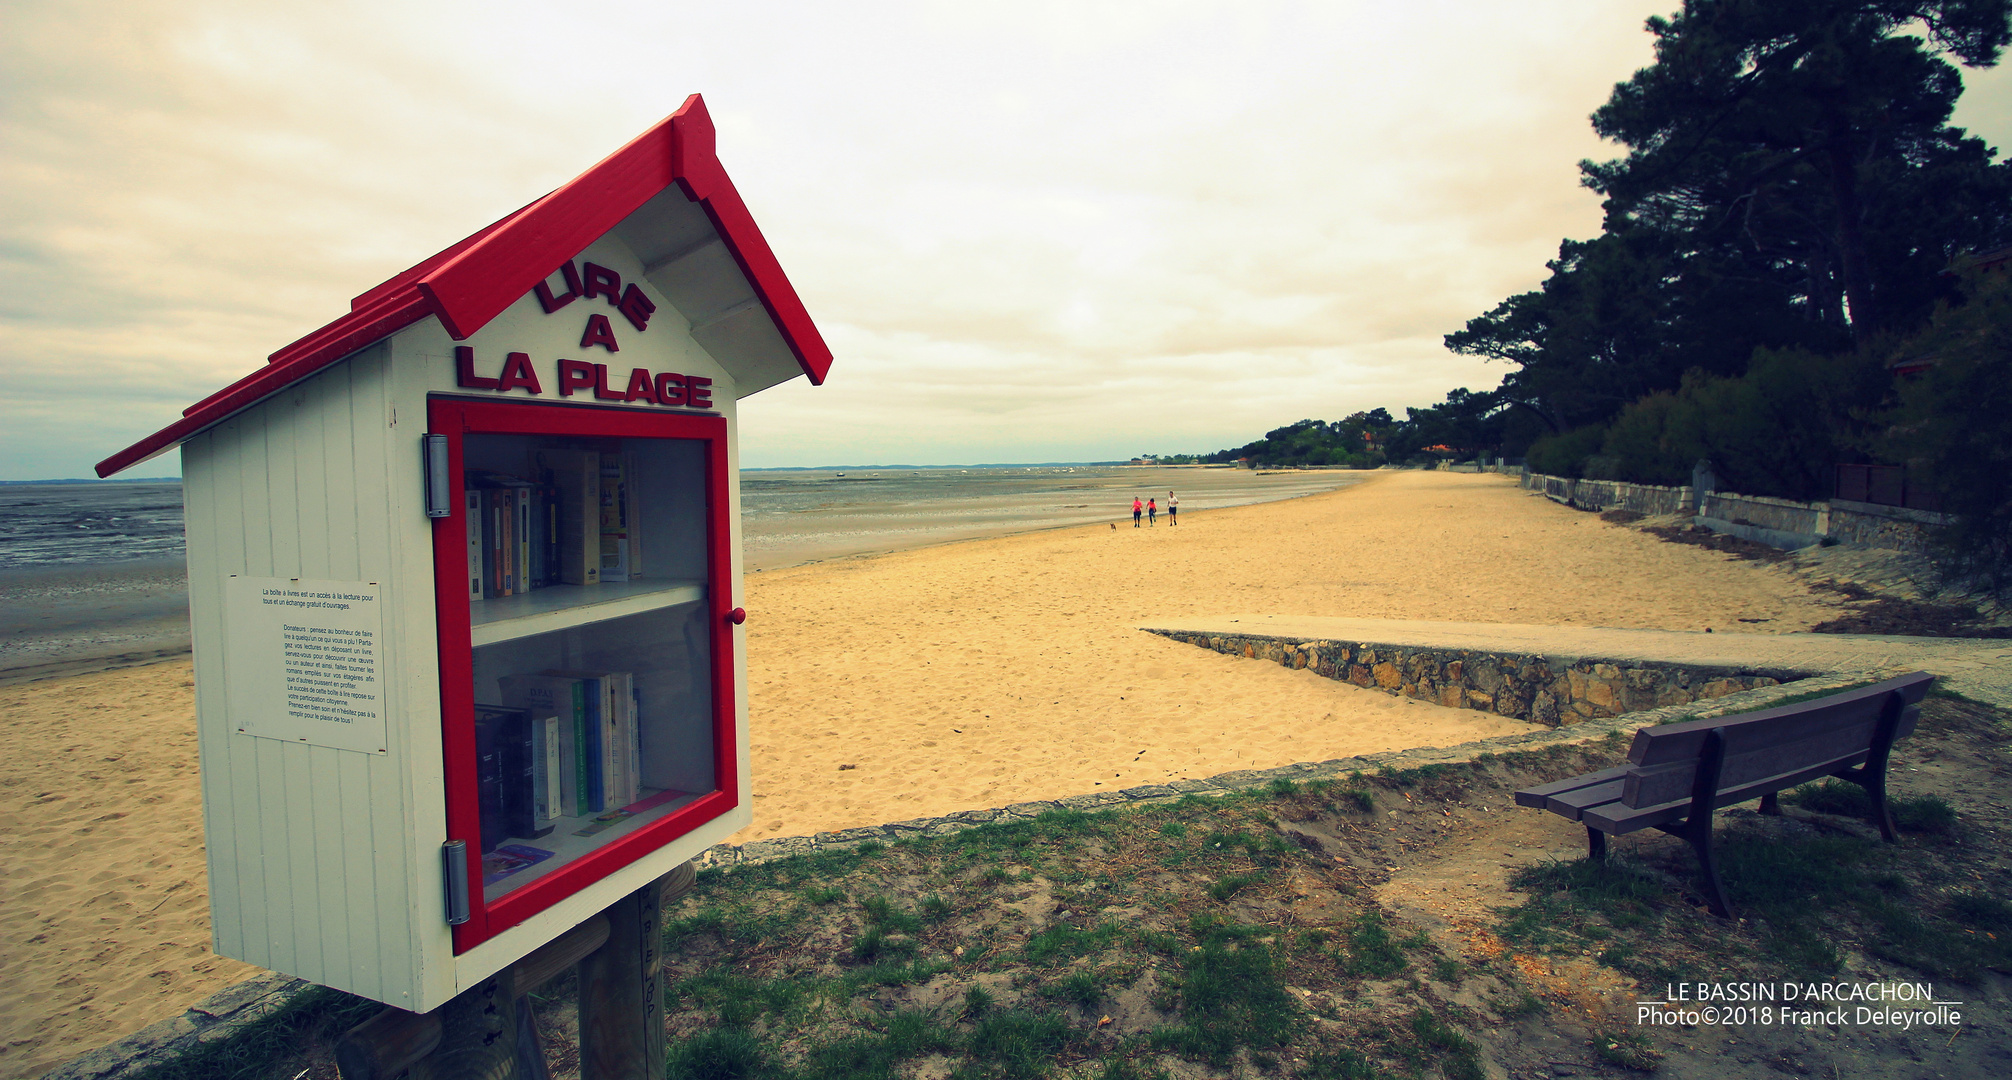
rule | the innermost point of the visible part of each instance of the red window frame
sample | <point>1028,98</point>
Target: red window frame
<point>454,418</point>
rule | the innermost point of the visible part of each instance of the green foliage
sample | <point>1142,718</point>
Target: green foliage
<point>1775,430</point>
<point>1790,185</point>
<point>1953,427</point>
<point>1355,441</point>
<point>1566,454</point>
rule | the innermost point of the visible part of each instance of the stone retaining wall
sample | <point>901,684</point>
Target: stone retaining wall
<point>1782,523</point>
<point>1646,499</point>
<point>1542,690</point>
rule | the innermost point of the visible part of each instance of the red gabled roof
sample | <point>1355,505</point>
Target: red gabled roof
<point>471,282</point>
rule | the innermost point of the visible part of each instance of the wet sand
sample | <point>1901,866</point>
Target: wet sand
<point>68,620</point>
<point>967,675</point>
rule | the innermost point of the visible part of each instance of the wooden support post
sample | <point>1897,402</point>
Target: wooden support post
<point>621,1003</point>
<point>478,1035</point>
<point>486,1033</point>
<point>386,1044</point>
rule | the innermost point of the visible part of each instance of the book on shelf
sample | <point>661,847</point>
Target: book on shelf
<point>562,699</point>
<point>517,742</point>
<point>574,477</point>
<point>478,560</point>
<point>612,773</point>
<point>621,533</point>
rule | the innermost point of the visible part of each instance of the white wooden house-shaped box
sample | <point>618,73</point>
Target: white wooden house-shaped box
<point>464,579</point>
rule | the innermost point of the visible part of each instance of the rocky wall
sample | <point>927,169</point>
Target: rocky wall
<point>1543,690</point>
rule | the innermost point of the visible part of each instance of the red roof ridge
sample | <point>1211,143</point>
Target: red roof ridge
<point>472,281</point>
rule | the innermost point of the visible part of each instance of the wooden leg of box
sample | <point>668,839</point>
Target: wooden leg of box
<point>621,1002</point>
<point>478,1035</point>
<point>386,1044</point>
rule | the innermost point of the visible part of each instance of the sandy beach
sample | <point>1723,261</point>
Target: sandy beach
<point>884,688</point>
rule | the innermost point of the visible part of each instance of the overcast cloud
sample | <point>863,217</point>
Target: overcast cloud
<point>1030,231</point>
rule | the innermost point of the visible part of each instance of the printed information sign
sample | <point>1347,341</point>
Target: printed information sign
<point>303,661</point>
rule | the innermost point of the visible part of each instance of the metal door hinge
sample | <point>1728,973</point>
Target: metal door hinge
<point>434,454</point>
<point>454,857</point>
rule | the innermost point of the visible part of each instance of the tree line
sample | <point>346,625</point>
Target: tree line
<point>1801,263</point>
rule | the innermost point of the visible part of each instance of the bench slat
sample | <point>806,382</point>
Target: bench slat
<point>1655,784</point>
<point>1573,804</point>
<point>1618,818</point>
<point>1535,797</point>
<point>1773,727</point>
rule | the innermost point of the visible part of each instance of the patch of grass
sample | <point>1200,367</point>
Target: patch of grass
<point>1628,1049</point>
<point>1081,989</point>
<point>1230,997</point>
<point>1615,891</point>
<point>1982,911</point>
<point>823,894</point>
<point>1281,787</point>
<point>935,906</point>
<point>1460,1058</point>
<point>1446,970</point>
<point>1372,951</point>
<point>1230,884</point>
<point>740,1000</point>
<point>1915,813</point>
<point>874,1056</point>
<point>1018,1044</point>
<point>977,1002</point>
<point>883,915</point>
<point>1359,798</point>
<point>1341,1064</point>
<point>1062,941</point>
<point>721,1054</point>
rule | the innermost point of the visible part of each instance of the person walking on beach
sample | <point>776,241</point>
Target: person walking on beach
<point>1137,508</point>
<point>1152,512</point>
<point>1173,510</point>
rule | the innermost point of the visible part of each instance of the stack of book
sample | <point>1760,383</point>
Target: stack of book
<point>571,522</point>
<point>594,763</point>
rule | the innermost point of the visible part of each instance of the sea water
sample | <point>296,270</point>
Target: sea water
<point>788,516</point>
<point>92,573</point>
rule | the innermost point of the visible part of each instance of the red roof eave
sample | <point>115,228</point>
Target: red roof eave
<point>473,281</point>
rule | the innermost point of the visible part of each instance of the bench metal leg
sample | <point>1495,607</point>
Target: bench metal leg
<point>1770,804</point>
<point>1708,867</point>
<point>1596,843</point>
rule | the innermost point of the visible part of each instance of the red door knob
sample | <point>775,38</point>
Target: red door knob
<point>737,616</point>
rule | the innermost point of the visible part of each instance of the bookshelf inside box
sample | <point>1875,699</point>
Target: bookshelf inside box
<point>548,793</point>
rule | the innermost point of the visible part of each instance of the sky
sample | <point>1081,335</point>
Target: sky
<point>1030,231</point>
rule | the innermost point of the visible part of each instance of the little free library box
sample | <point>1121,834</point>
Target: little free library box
<point>465,574</point>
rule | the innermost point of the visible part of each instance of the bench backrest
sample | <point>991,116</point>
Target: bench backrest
<point>1808,739</point>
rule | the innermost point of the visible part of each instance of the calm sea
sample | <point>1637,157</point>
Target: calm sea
<point>69,525</point>
<point>787,516</point>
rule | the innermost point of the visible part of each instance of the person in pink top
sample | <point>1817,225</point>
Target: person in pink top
<point>1137,509</point>
<point>1152,512</point>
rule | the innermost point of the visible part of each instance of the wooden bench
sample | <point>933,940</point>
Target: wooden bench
<point>1678,774</point>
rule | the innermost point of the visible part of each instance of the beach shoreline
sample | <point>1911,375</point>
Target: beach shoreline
<point>959,676</point>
